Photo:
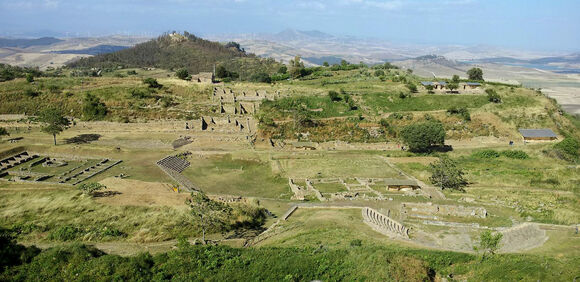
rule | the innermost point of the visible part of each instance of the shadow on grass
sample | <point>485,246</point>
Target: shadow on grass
<point>106,194</point>
<point>83,139</point>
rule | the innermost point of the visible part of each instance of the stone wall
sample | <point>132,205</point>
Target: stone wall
<point>384,224</point>
<point>419,209</point>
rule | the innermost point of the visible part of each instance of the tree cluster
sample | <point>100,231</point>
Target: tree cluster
<point>420,137</point>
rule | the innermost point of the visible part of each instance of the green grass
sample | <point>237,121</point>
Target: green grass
<point>390,102</point>
<point>226,175</point>
<point>330,187</point>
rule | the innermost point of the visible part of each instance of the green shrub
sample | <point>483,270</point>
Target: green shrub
<point>93,108</point>
<point>152,83</point>
<point>463,112</point>
<point>412,87</point>
<point>65,233</point>
<point>569,146</point>
<point>356,243</point>
<point>182,73</point>
<point>515,154</point>
<point>486,154</point>
<point>261,77</point>
<point>31,93</point>
<point>492,96</point>
<point>334,96</point>
<point>379,73</point>
<point>421,136</point>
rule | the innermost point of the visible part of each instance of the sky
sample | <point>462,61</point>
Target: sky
<point>524,24</point>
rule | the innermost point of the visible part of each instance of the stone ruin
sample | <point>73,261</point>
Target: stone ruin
<point>226,124</point>
<point>522,237</point>
<point>173,166</point>
<point>72,176</point>
<point>431,211</point>
<point>383,224</point>
<point>180,142</point>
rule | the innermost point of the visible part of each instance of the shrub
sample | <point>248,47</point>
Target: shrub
<point>182,73</point>
<point>261,77</point>
<point>140,94</point>
<point>384,122</point>
<point>31,93</point>
<point>475,74</point>
<point>486,154</point>
<point>131,72</point>
<point>412,87</point>
<point>29,77</point>
<point>463,112</point>
<point>421,136</point>
<point>152,82</point>
<point>396,116</point>
<point>515,154</point>
<point>569,146</point>
<point>93,108</point>
<point>402,95</point>
<point>379,73</point>
<point>91,188</point>
<point>356,243</point>
<point>492,96</point>
<point>166,101</point>
<point>65,233</point>
<point>334,96</point>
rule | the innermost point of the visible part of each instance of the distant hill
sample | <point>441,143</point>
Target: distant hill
<point>25,43</point>
<point>96,50</point>
<point>173,51</point>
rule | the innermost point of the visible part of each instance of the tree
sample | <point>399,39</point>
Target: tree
<point>455,78</point>
<point>452,86</point>
<point>412,87</point>
<point>297,68</point>
<point>475,74</point>
<point>91,188</point>
<point>379,73</point>
<point>492,96</point>
<point>93,108</point>
<point>421,136</point>
<point>325,64</point>
<point>488,243</point>
<point>261,77</point>
<point>211,214</point>
<point>447,175</point>
<point>182,73</point>
<point>429,89</point>
<point>55,122</point>
<point>283,69</point>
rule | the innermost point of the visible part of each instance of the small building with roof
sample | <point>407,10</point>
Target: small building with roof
<point>441,84</point>
<point>426,83</point>
<point>472,85</point>
<point>401,185</point>
<point>543,134</point>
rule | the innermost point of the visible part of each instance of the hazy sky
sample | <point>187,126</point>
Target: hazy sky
<point>525,24</point>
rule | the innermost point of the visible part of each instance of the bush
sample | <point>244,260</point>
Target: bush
<point>379,73</point>
<point>402,95</point>
<point>261,77</point>
<point>356,243</point>
<point>93,108</point>
<point>334,96</point>
<point>140,94</point>
<point>486,154</point>
<point>492,96</point>
<point>91,188</point>
<point>131,72</point>
<point>420,137</point>
<point>152,82</point>
<point>463,112</point>
<point>569,146</point>
<point>515,154</point>
<point>31,93</point>
<point>412,87</point>
<point>29,77</point>
<point>396,116</point>
<point>384,122</point>
<point>65,233</point>
<point>182,73</point>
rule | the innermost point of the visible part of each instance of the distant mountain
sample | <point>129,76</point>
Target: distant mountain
<point>173,51</point>
<point>293,35</point>
<point>25,43</point>
<point>96,50</point>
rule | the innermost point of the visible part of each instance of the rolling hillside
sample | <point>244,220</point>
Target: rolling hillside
<point>174,51</point>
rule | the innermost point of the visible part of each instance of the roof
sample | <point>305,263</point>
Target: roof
<point>442,83</point>
<point>401,182</point>
<point>425,83</point>
<point>544,132</point>
<point>474,84</point>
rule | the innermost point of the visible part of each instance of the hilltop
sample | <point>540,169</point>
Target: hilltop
<point>173,51</point>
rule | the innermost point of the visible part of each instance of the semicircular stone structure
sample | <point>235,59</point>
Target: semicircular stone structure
<point>384,224</point>
<point>522,237</point>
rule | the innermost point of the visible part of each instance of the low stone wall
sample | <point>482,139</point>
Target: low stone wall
<point>415,209</point>
<point>383,223</point>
